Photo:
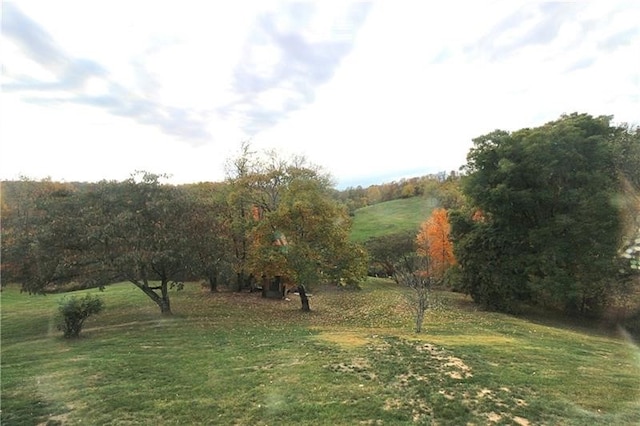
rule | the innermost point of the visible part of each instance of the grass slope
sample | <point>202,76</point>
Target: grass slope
<point>391,216</point>
<point>238,359</point>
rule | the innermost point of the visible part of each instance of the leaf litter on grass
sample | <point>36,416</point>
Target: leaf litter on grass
<point>430,384</point>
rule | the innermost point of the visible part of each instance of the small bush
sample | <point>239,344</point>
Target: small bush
<point>74,311</point>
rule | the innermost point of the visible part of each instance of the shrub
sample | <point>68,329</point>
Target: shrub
<point>74,311</point>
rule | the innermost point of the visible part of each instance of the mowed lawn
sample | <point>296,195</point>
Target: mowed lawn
<point>238,359</point>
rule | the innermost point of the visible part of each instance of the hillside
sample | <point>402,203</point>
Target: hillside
<point>230,358</point>
<point>390,217</point>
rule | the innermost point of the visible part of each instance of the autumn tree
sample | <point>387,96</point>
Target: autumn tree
<point>290,223</point>
<point>434,242</point>
<point>427,267</point>
<point>239,211</point>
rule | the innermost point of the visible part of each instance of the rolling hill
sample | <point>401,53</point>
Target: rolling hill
<point>392,216</point>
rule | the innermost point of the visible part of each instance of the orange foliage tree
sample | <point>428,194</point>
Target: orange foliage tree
<point>434,243</point>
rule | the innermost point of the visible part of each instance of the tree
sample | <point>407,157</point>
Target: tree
<point>239,211</point>
<point>211,232</point>
<point>42,234</point>
<point>434,242</point>
<point>291,225</point>
<point>425,268</point>
<point>411,273</point>
<point>551,231</point>
<point>140,231</point>
<point>386,251</point>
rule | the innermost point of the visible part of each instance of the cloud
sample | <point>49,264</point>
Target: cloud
<point>74,80</point>
<point>289,54</point>
<point>619,39</point>
<point>39,46</point>
<point>570,25</point>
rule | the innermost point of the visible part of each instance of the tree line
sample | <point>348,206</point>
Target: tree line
<point>272,221</point>
<point>546,216</point>
<point>441,186</point>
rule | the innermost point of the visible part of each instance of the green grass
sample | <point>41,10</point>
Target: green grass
<point>390,217</point>
<point>238,359</point>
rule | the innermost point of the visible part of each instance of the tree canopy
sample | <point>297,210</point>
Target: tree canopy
<point>544,225</point>
<point>288,224</point>
<point>272,217</point>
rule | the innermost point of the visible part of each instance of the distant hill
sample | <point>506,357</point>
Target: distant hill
<point>390,217</point>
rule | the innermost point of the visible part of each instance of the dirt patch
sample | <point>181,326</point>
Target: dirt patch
<point>425,381</point>
<point>451,366</point>
<point>521,421</point>
<point>494,417</point>
<point>358,366</point>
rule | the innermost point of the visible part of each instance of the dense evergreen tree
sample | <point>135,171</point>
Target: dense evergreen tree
<point>548,228</point>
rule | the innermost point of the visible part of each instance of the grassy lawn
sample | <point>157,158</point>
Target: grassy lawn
<point>391,216</point>
<point>238,359</point>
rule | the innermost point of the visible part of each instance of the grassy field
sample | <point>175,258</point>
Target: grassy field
<point>391,216</point>
<point>238,359</point>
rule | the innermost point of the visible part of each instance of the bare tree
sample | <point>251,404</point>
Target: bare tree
<point>412,272</point>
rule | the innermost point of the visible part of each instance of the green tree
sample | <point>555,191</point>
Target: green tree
<point>291,225</point>
<point>551,231</point>
<point>141,231</point>
<point>40,228</point>
<point>386,251</point>
<point>239,211</point>
<point>211,233</point>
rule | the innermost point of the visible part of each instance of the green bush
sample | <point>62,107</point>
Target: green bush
<point>74,311</point>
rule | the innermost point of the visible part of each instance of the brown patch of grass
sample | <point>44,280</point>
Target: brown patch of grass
<point>344,339</point>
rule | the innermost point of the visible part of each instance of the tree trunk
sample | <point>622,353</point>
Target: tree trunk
<point>165,306</point>
<point>239,281</point>
<point>265,286</point>
<point>162,301</point>
<point>213,282</point>
<point>277,286</point>
<point>303,298</point>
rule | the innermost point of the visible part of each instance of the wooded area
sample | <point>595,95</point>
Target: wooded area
<point>550,210</point>
<point>546,217</point>
<point>158,236</point>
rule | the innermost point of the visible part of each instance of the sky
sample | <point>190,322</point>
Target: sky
<point>370,91</point>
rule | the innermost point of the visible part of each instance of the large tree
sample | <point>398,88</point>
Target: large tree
<point>549,229</point>
<point>288,224</point>
<point>211,232</point>
<point>41,242</point>
<point>239,211</point>
<point>141,230</point>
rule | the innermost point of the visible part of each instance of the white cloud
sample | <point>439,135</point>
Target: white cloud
<point>399,88</point>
